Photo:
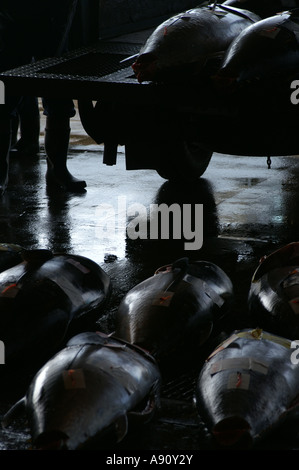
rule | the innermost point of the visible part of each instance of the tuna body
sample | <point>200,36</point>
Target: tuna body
<point>268,49</point>
<point>44,300</point>
<point>247,387</point>
<point>274,292</point>
<point>87,392</point>
<point>176,307</point>
<point>183,45</point>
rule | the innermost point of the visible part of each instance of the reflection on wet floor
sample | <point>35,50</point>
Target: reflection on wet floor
<point>248,211</point>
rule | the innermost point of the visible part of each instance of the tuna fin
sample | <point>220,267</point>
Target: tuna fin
<point>121,427</point>
<point>205,333</point>
<point>181,263</point>
<point>14,411</point>
<point>236,11</point>
<point>151,403</point>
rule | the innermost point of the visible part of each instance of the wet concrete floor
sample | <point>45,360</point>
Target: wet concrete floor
<point>249,211</point>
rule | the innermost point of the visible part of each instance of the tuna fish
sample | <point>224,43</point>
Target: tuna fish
<point>44,300</point>
<point>263,8</point>
<point>186,43</point>
<point>247,387</point>
<point>175,308</point>
<point>88,393</point>
<point>264,50</point>
<point>274,292</point>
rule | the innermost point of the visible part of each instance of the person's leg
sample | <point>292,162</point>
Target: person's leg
<point>5,141</point>
<point>29,120</point>
<point>7,111</point>
<point>57,134</point>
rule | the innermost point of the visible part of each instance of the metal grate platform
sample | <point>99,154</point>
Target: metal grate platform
<point>67,75</point>
<point>181,388</point>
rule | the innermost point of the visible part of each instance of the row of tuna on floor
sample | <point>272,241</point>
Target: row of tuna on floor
<point>88,384</point>
<point>233,43</point>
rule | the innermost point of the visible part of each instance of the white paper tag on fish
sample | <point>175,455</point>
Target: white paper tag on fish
<point>78,265</point>
<point>270,33</point>
<point>238,380</point>
<point>217,299</point>
<point>73,378</point>
<point>224,345</point>
<point>163,299</point>
<point>292,279</point>
<point>210,292</point>
<point>245,363</point>
<point>68,288</point>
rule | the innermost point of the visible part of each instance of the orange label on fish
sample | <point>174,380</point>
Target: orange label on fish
<point>270,33</point>
<point>238,380</point>
<point>10,291</point>
<point>294,304</point>
<point>73,378</point>
<point>163,299</point>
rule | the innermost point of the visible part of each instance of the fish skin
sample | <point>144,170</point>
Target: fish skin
<point>188,40</point>
<point>241,403</point>
<point>266,50</point>
<point>274,290</point>
<point>87,389</point>
<point>45,300</point>
<point>175,308</point>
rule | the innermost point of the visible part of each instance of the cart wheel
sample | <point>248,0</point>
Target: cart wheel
<point>183,160</point>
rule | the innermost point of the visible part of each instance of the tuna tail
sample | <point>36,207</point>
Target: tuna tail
<point>225,83</point>
<point>16,410</point>
<point>182,264</point>
<point>121,428</point>
<point>147,409</point>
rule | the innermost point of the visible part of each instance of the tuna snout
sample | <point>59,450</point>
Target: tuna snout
<point>233,432</point>
<point>51,440</point>
<point>224,83</point>
<point>145,67</point>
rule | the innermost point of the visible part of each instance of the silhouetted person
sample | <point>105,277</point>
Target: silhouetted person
<point>37,29</point>
<point>27,121</point>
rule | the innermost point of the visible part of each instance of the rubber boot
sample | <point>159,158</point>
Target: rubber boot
<point>29,117</point>
<point>5,142</point>
<point>57,134</point>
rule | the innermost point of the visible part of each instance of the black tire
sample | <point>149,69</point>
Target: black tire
<point>183,160</point>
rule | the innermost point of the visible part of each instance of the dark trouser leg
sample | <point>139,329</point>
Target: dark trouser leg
<point>7,111</point>
<point>29,118</point>
<point>57,134</point>
<point>5,140</point>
